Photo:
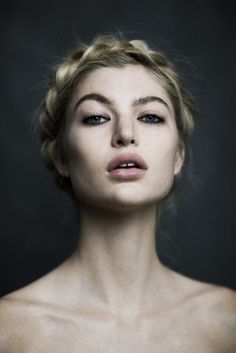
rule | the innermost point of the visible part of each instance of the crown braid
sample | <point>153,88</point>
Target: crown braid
<point>105,51</point>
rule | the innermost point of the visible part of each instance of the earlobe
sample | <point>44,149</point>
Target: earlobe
<point>58,160</point>
<point>179,158</point>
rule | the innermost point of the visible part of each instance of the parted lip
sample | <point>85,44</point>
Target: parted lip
<point>127,157</point>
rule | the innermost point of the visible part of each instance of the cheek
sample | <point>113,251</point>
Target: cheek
<point>163,162</point>
<point>163,151</point>
<point>164,167</point>
<point>78,150</point>
<point>81,162</point>
<point>85,165</point>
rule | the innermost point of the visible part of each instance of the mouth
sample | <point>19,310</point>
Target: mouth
<point>127,166</point>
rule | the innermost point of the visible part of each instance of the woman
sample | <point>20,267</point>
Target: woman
<point>114,125</point>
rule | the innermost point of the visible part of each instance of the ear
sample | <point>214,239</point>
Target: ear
<point>58,160</point>
<point>179,158</point>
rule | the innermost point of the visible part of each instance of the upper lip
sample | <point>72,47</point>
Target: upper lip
<point>127,157</point>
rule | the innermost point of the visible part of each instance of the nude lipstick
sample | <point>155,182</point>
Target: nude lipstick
<point>127,166</point>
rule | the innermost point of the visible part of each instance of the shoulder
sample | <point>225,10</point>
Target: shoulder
<point>220,316</point>
<point>214,307</point>
<point>25,314</point>
<point>14,323</point>
<point>21,317</point>
<point>24,322</point>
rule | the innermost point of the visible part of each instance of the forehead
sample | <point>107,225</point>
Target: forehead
<point>122,84</point>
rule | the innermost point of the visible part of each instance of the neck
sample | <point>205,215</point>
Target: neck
<point>117,258</point>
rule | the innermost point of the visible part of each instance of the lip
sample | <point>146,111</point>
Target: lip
<point>130,173</point>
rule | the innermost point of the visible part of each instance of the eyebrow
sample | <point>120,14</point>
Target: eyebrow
<point>149,99</point>
<point>95,97</point>
<point>104,100</point>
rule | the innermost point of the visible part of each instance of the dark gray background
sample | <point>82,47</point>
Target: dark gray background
<point>37,224</point>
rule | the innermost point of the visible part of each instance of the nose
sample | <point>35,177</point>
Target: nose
<point>124,133</point>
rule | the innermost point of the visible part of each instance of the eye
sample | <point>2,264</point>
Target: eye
<point>95,120</point>
<point>151,119</point>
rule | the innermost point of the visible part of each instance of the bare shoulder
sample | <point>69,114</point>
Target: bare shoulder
<point>220,307</point>
<point>21,314</point>
<point>215,307</point>
<point>14,323</point>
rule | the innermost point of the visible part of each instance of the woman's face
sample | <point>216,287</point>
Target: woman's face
<point>121,142</point>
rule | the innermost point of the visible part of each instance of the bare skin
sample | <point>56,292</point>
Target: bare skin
<point>94,302</point>
<point>113,294</point>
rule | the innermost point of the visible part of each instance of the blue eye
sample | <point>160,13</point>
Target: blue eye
<point>95,120</point>
<point>151,119</point>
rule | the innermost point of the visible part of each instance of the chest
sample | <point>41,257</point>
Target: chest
<point>164,335</point>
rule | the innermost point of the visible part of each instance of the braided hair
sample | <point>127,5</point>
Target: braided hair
<point>104,51</point>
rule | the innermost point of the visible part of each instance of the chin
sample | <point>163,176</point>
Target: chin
<point>123,206</point>
<point>125,197</point>
<point>129,198</point>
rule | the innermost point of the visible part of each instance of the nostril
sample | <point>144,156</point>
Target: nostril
<point>119,142</point>
<point>124,142</point>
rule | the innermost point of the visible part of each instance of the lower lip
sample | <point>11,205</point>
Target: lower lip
<point>126,174</point>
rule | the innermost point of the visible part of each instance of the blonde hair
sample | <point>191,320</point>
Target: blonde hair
<point>105,51</point>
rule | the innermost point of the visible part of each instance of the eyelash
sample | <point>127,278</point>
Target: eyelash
<point>88,119</point>
<point>157,118</point>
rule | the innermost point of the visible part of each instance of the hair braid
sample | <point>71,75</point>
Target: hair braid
<point>105,51</point>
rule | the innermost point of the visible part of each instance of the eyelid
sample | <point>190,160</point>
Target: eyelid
<point>92,115</point>
<point>158,115</point>
<point>159,112</point>
<point>87,117</point>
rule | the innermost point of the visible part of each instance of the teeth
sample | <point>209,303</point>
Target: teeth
<point>127,164</point>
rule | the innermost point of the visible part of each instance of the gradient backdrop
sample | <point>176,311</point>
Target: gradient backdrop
<point>37,224</point>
